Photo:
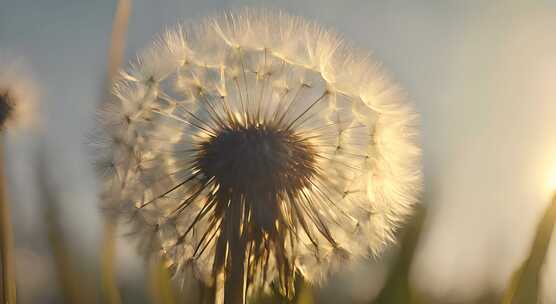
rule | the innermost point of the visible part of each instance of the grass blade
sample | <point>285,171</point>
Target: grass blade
<point>115,57</point>
<point>524,285</point>
<point>397,288</point>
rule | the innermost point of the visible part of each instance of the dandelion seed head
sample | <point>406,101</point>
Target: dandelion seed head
<point>18,96</point>
<point>257,146</point>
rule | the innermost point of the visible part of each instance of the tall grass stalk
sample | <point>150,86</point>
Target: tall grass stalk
<point>397,288</point>
<point>161,285</point>
<point>117,40</point>
<point>524,286</point>
<point>305,295</point>
<point>109,286</point>
<point>73,286</point>
<point>115,57</point>
<point>6,242</point>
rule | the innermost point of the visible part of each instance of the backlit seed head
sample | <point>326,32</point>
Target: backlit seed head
<point>256,146</point>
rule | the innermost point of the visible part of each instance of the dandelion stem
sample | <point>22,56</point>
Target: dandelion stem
<point>6,243</point>
<point>234,284</point>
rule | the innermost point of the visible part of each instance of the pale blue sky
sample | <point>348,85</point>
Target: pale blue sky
<point>481,73</point>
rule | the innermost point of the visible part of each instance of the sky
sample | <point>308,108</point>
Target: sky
<point>480,73</point>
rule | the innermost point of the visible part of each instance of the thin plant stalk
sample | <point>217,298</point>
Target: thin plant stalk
<point>117,40</point>
<point>66,274</point>
<point>305,295</point>
<point>109,286</point>
<point>161,285</point>
<point>72,285</point>
<point>397,287</point>
<point>525,283</point>
<point>115,56</point>
<point>6,242</point>
<point>207,294</point>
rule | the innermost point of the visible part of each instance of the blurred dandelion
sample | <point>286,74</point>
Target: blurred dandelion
<point>18,96</point>
<point>255,147</point>
<point>17,100</point>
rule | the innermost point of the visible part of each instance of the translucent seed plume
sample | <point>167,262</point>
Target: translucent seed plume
<point>254,147</point>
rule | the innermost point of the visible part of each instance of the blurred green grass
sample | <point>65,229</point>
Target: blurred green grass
<point>523,286</point>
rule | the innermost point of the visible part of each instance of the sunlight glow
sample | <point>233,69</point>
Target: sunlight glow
<point>551,182</point>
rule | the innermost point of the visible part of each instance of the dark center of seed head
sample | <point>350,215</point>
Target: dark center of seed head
<point>258,162</point>
<point>6,107</point>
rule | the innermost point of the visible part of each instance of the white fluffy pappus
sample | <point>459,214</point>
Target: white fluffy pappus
<point>256,146</point>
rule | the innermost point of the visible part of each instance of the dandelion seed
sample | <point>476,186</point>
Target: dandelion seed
<point>255,147</point>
